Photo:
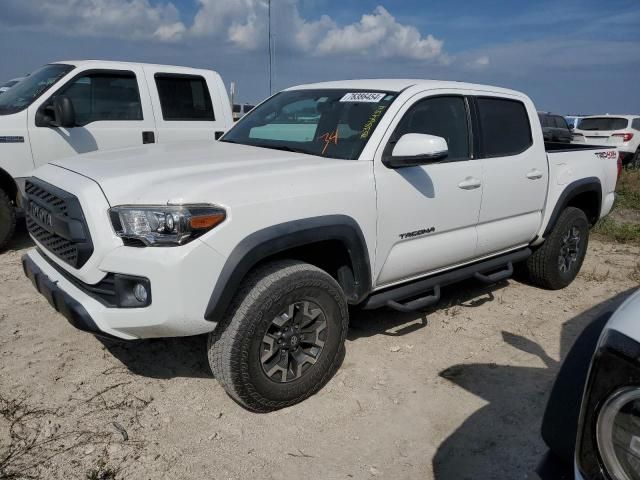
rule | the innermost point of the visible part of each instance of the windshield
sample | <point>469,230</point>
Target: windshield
<point>603,123</point>
<point>332,123</point>
<point>26,91</point>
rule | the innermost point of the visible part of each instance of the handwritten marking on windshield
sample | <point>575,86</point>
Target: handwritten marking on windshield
<point>366,129</point>
<point>327,138</point>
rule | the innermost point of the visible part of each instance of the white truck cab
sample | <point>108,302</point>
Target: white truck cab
<point>74,107</point>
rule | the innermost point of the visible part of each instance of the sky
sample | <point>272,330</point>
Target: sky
<point>570,56</point>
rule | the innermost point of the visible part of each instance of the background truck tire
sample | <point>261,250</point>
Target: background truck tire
<point>545,267</point>
<point>7,219</point>
<point>284,310</point>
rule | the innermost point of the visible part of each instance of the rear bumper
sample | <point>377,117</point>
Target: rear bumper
<point>64,303</point>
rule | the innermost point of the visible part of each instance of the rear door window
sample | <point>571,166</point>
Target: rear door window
<point>184,97</point>
<point>504,127</point>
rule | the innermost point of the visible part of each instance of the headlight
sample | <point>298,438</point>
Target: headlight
<point>164,225</point>
<point>618,434</point>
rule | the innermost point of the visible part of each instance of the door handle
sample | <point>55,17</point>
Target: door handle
<point>469,183</point>
<point>148,137</point>
<point>534,174</point>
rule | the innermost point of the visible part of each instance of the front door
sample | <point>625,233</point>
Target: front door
<point>427,214</point>
<point>111,111</point>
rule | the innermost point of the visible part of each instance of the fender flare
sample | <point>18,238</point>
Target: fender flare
<point>589,184</point>
<point>284,236</point>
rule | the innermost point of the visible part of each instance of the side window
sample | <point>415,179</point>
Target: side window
<point>105,96</point>
<point>444,117</point>
<point>184,97</point>
<point>561,123</point>
<point>635,124</point>
<point>504,125</point>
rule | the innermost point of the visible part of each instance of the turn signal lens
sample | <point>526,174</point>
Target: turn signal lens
<point>206,221</point>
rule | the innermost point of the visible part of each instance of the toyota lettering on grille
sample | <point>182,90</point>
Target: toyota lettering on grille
<point>41,214</point>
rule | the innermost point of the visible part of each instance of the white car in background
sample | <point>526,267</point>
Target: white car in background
<point>621,131</point>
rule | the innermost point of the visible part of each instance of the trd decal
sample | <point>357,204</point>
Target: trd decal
<point>607,154</point>
<point>417,233</point>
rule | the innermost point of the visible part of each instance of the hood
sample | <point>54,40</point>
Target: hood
<point>187,173</point>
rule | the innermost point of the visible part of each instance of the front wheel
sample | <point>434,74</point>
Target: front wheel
<point>7,219</point>
<point>283,337</point>
<point>558,261</point>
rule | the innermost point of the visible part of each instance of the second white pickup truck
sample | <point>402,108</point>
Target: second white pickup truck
<point>369,193</point>
<point>73,107</point>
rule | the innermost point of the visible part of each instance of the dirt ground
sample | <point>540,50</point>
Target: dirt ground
<point>457,393</point>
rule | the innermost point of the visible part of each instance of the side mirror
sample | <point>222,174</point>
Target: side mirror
<point>417,149</point>
<point>63,113</point>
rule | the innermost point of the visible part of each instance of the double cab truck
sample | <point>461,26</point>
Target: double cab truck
<point>362,193</point>
<point>75,107</point>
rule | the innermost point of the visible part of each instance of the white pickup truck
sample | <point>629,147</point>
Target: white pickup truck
<point>368,193</point>
<point>74,107</point>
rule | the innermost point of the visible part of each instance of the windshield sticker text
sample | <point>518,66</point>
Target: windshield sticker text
<point>366,129</point>
<point>327,138</point>
<point>371,97</point>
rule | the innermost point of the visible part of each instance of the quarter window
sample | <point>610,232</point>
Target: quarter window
<point>444,117</point>
<point>504,125</point>
<point>184,97</point>
<point>104,96</point>
<point>635,124</point>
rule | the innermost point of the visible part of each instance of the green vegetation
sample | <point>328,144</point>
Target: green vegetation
<point>622,225</point>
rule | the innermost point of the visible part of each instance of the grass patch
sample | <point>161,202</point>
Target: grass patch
<point>620,232</point>
<point>628,198</point>
<point>628,189</point>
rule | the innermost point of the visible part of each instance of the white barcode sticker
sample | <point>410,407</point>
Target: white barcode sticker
<point>372,97</point>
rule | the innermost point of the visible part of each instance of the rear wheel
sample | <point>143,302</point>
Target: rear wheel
<point>557,262</point>
<point>635,161</point>
<point>7,219</point>
<point>283,338</point>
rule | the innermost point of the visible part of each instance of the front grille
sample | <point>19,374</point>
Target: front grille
<point>60,247</point>
<point>55,219</point>
<point>49,198</point>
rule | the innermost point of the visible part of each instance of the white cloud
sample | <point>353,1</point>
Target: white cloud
<point>380,33</point>
<point>241,23</point>
<point>133,19</point>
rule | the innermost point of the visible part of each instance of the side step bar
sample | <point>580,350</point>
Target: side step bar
<point>484,271</point>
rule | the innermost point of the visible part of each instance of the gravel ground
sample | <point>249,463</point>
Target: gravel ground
<point>457,393</point>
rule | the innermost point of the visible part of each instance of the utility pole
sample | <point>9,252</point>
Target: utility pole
<point>270,52</point>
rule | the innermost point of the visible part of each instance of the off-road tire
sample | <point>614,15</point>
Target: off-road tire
<point>7,219</point>
<point>543,267</point>
<point>236,345</point>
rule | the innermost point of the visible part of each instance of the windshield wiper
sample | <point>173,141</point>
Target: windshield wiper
<point>285,148</point>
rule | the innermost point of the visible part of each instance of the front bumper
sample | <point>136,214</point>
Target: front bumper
<point>64,303</point>
<point>181,279</point>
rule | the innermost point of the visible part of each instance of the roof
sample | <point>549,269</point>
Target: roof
<point>115,64</point>
<point>397,85</point>
<point>628,117</point>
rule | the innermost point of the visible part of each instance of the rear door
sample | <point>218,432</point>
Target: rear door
<point>185,105</point>
<point>112,110</point>
<point>514,173</point>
